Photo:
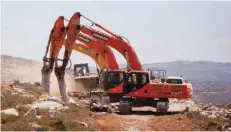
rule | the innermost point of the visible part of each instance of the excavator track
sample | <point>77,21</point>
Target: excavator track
<point>125,105</point>
<point>99,97</point>
<point>162,106</point>
<point>100,101</point>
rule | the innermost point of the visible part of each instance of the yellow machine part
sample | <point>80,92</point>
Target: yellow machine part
<point>84,49</point>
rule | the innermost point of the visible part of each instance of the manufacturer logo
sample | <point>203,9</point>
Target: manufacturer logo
<point>84,39</point>
<point>96,35</point>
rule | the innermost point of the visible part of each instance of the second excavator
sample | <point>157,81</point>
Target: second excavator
<point>137,84</point>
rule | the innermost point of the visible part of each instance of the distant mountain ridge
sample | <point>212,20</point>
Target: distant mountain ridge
<point>199,70</point>
<point>211,80</point>
<point>195,70</point>
<point>190,70</point>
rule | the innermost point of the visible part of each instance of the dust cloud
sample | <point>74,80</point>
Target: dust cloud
<point>71,85</point>
<point>15,68</point>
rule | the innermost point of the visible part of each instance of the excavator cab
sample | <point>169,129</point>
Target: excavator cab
<point>111,82</point>
<point>81,69</point>
<point>135,80</point>
<point>111,78</point>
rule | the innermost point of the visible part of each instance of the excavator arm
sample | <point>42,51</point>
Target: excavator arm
<point>114,41</point>
<point>54,45</point>
<point>55,42</point>
<point>72,30</point>
<point>101,48</point>
<point>118,44</point>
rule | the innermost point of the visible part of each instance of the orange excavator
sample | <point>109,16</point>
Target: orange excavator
<point>135,83</point>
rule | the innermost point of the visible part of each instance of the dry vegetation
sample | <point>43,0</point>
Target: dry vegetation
<point>62,122</point>
<point>66,119</point>
<point>11,97</point>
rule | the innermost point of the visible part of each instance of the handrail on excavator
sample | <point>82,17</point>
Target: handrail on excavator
<point>98,25</point>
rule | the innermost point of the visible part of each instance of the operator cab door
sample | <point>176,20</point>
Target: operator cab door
<point>135,81</point>
<point>111,79</point>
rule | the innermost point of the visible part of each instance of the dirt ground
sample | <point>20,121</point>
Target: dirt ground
<point>151,122</point>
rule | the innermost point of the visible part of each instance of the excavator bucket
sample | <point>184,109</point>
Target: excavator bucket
<point>82,75</point>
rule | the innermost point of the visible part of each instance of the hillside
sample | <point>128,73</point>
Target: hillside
<point>16,68</point>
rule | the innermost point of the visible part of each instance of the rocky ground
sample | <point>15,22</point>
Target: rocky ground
<point>25,106</point>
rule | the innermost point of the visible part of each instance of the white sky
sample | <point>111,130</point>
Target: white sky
<point>158,31</point>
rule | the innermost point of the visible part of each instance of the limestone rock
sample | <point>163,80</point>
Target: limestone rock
<point>11,111</point>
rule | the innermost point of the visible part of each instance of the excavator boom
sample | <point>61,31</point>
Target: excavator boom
<point>101,48</point>
<point>118,44</point>
<point>86,50</point>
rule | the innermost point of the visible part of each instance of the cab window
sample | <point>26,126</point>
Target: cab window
<point>113,79</point>
<point>137,79</point>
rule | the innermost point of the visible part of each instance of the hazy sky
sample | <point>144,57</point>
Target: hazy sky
<point>158,31</point>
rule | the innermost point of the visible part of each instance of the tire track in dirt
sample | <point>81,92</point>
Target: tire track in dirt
<point>115,122</point>
<point>135,123</point>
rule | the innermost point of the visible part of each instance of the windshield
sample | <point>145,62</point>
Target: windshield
<point>135,79</point>
<point>113,79</point>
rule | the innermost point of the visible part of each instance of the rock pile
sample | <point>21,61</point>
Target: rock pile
<point>182,105</point>
<point>214,112</point>
<point>104,107</point>
<point>208,110</point>
<point>79,95</point>
<point>11,111</point>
